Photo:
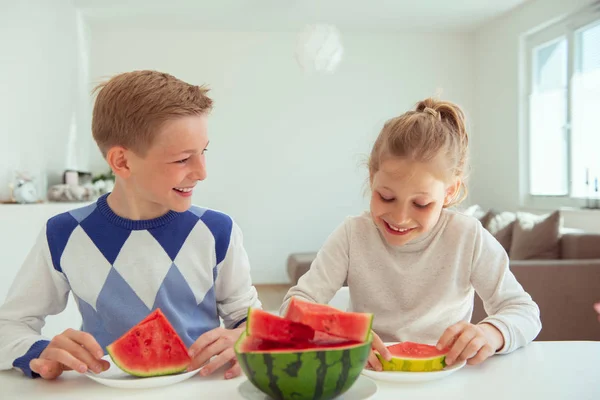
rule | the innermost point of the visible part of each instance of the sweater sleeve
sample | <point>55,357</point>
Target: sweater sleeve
<point>37,291</point>
<point>327,272</point>
<point>510,309</point>
<point>234,290</point>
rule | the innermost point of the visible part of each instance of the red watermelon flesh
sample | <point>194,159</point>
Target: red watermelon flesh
<point>324,318</point>
<point>252,343</point>
<point>416,350</point>
<point>150,348</point>
<point>267,326</point>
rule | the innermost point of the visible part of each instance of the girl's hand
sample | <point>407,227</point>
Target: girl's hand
<point>373,361</point>
<point>473,343</point>
<point>597,308</point>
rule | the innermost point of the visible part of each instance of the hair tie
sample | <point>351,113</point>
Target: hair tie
<point>431,111</point>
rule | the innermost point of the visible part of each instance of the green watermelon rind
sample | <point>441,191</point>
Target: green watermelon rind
<point>315,373</point>
<point>156,372</point>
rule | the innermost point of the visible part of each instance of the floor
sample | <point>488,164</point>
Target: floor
<point>272,296</point>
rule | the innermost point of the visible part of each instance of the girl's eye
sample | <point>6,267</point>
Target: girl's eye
<point>205,150</point>
<point>385,199</point>
<point>182,161</point>
<point>421,205</point>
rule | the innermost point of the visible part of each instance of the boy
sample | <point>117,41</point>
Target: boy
<point>142,246</point>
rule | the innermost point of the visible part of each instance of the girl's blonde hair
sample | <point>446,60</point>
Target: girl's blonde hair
<point>420,135</point>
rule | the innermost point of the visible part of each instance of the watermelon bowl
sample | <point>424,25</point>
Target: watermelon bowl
<point>301,371</point>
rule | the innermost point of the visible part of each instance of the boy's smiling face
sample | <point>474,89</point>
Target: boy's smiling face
<point>164,178</point>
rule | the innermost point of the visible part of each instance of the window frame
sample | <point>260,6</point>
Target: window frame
<point>568,28</point>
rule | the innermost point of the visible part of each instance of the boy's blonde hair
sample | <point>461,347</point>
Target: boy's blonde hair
<point>420,135</point>
<point>131,107</point>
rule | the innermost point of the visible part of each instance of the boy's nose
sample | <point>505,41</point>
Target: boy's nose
<point>199,172</point>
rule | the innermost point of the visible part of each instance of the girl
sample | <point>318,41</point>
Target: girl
<point>413,262</point>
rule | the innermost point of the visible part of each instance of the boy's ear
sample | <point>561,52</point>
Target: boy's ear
<point>452,192</point>
<point>117,158</point>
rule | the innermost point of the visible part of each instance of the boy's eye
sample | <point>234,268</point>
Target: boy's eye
<point>421,205</point>
<point>182,161</point>
<point>205,150</point>
<point>386,199</point>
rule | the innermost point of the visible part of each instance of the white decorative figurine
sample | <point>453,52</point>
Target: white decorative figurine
<point>25,192</point>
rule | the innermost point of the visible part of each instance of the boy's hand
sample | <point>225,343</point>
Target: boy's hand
<point>373,361</point>
<point>473,343</point>
<point>597,308</point>
<point>217,342</point>
<point>71,350</point>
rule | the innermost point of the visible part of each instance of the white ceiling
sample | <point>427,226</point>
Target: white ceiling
<point>292,15</point>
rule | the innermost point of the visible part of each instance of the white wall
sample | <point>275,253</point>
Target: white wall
<point>496,136</point>
<point>39,86</point>
<point>286,149</point>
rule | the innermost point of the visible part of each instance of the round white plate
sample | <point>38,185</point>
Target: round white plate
<point>117,378</point>
<point>362,389</point>
<point>411,377</point>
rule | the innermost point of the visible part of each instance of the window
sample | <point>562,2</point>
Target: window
<point>562,112</point>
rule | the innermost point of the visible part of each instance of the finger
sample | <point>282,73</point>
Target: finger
<point>381,348</point>
<point>79,352</point>
<point>205,340</point>
<point>234,371</point>
<point>450,334</point>
<point>471,349</point>
<point>374,362</point>
<point>459,345</point>
<point>86,340</point>
<point>45,368</point>
<point>205,355</point>
<point>65,358</point>
<point>597,307</point>
<point>218,362</point>
<point>486,352</point>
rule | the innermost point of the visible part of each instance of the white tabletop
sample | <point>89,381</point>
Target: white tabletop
<point>542,370</point>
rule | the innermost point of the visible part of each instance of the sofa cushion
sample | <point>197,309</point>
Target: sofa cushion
<point>536,236</point>
<point>580,245</point>
<point>500,225</point>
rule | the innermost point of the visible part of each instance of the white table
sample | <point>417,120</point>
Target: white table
<point>542,370</point>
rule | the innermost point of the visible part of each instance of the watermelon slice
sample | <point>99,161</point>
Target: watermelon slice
<point>414,357</point>
<point>301,371</point>
<point>150,348</point>
<point>267,326</point>
<point>348,325</point>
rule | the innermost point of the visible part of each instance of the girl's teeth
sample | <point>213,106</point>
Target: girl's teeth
<point>397,229</point>
<point>184,190</point>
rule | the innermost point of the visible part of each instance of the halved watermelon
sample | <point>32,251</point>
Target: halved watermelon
<point>150,348</point>
<point>267,326</point>
<point>324,318</point>
<point>414,357</point>
<point>301,370</point>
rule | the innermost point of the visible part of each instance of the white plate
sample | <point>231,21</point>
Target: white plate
<point>117,378</point>
<point>411,377</point>
<point>362,389</point>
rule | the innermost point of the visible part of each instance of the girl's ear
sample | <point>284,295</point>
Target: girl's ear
<point>452,192</point>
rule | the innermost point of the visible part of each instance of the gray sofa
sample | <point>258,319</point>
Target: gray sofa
<point>565,289</point>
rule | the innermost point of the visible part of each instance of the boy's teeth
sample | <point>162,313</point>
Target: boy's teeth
<point>184,190</point>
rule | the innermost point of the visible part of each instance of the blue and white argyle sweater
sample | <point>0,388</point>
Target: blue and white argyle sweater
<point>191,265</point>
